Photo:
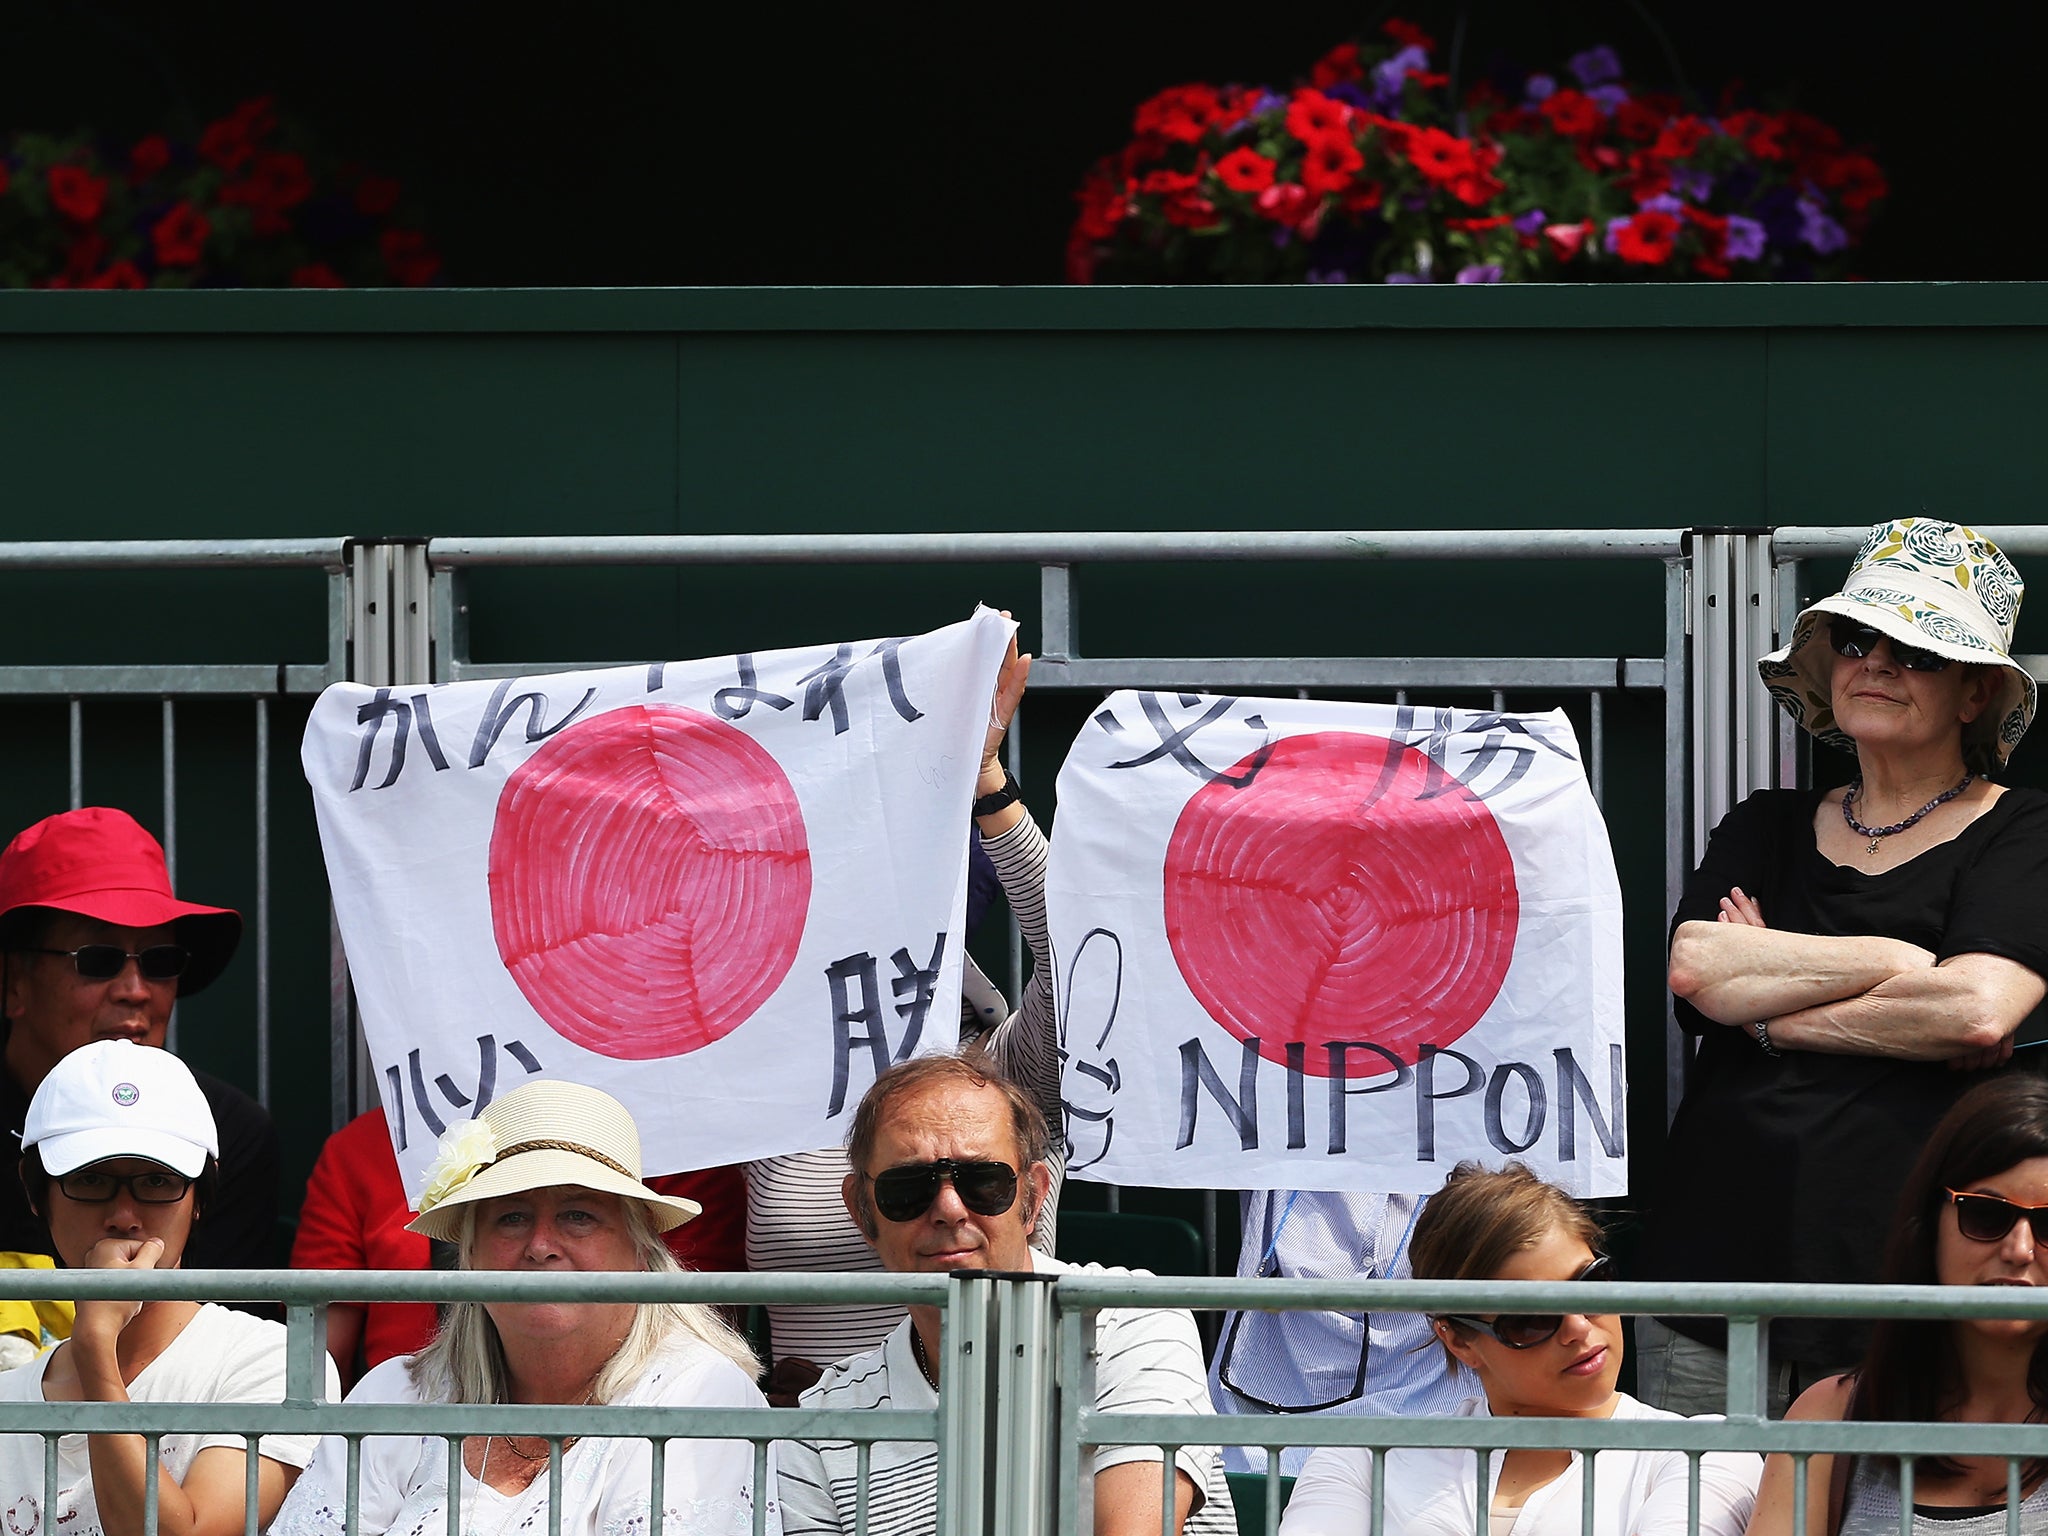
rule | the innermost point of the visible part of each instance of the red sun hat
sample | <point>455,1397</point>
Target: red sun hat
<point>100,863</point>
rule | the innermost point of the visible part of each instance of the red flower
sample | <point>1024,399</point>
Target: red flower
<point>149,156</point>
<point>1362,197</point>
<point>408,257</point>
<point>257,117</point>
<point>1572,113</point>
<point>1479,184</point>
<point>1474,226</point>
<point>1441,157</point>
<point>226,143</point>
<point>1758,132</point>
<point>1289,204</point>
<point>180,236</point>
<point>84,257</point>
<point>1330,164</point>
<point>1312,115</point>
<point>5,178</point>
<point>1408,35</point>
<point>276,181</point>
<point>1710,266</point>
<point>77,193</point>
<point>1638,121</point>
<point>1104,203</point>
<point>1167,183</point>
<point>1680,138</point>
<point>1337,66</point>
<point>1428,80</point>
<point>1856,179</point>
<point>122,274</point>
<point>1244,169</point>
<point>316,274</point>
<point>1647,176</point>
<point>1181,113</point>
<point>1647,238</point>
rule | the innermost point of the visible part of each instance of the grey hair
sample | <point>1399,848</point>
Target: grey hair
<point>466,1361</point>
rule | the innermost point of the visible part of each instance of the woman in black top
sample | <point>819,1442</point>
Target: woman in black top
<point>1852,960</point>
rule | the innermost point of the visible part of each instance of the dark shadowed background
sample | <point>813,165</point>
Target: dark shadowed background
<point>661,143</point>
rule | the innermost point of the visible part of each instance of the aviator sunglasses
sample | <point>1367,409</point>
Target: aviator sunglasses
<point>1525,1330</point>
<point>1856,640</point>
<point>103,962</point>
<point>906,1193</point>
<point>1987,1218</point>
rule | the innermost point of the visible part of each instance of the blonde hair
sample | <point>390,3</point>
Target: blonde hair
<point>466,1361</point>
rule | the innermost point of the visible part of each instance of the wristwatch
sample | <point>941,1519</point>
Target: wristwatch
<point>1009,794</point>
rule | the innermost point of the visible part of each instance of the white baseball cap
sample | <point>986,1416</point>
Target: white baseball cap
<point>114,1098</point>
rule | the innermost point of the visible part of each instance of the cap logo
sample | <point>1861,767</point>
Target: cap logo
<point>126,1094</point>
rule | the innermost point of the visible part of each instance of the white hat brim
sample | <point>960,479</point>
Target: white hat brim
<point>545,1168</point>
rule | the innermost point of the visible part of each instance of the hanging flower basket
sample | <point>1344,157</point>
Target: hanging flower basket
<point>1370,172</point>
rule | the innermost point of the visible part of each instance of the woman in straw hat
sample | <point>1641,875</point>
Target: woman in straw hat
<point>547,1181</point>
<point>1852,960</point>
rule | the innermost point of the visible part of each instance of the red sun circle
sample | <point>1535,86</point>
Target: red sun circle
<point>649,880</point>
<point>1326,901</point>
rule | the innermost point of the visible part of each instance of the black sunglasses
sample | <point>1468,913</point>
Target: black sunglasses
<point>103,962</point>
<point>1856,640</point>
<point>1525,1330</point>
<point>1987,1218</point>
<point>906,1193</point>
<point>94,1186</point>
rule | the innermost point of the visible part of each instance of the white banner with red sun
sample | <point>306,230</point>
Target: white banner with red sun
<point>727,892</point>
<point>1311,945</point>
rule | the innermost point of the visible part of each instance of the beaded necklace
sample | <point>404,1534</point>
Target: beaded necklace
<point>1855,792</point>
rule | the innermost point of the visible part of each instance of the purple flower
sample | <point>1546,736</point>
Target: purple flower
<point>1664,202</point>
<point>1267,101</point>
<point>1390,76</point>
<point>1415,202</point>
<point>1329,275</point>
<point>1489,273</point>
<point>1614,229</point>
<point>1540,88</point>
<point>1745,238</point>
<point>1819,231</point>
<point>1282,238</point>
<point>1532,222</point>
<point>1697,185</point>
<point>1405,277</point>
<point>1595,66</point>
<point>1608,97</point>
<point>1348,92</point>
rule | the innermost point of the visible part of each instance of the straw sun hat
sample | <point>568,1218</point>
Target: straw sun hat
<point>538,1135</point>
<point>1936,585</point>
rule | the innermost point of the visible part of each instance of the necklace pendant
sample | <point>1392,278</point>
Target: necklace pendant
<point>1872,848</point>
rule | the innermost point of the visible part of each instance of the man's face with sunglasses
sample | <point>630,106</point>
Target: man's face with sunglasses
<point>944,1186</point>
<point>57,1002</point>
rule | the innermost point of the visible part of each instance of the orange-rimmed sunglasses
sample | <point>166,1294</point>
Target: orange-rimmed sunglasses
<point>1987,1218</point>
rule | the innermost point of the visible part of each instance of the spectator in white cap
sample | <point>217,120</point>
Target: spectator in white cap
<point>120,1156</point>
<point>546,1180</point>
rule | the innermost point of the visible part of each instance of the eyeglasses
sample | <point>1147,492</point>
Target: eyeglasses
<point>906,1193</point>
<point>1987,1218</point>
<point>1525,1330</point>
<point>95,1186</point>
<point>103,962</point>
<point>1856,640</point>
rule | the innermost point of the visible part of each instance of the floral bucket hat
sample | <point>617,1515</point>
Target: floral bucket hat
<point>1918,581</point>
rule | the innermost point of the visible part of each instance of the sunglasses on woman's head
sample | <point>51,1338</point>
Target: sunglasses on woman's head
<point>1987,1218</point>
<point>1525,1330</point>
<point>1856,640</point>
<point>906,1193</point>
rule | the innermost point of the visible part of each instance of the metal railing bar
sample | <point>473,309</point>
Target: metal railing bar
<point>456,1420</point>
<point>184,680</point>
<point>310,1287</point>
<point>76,722</point>
<point>1210,674</point>
<point>761,1485</point>
<point>263,902</point>
<point>173,554</point>
<point>1824,541</point>
<point>1055,549</point>
<point>453,1448</point>
<point>170,841</point>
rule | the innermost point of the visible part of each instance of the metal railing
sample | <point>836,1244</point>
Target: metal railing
<point>1016,1415</point>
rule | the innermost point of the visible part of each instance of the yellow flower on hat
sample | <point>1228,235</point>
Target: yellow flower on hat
<point>462,1152</point>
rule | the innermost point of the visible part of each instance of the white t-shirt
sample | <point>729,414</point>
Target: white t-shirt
<point>1430,1490</point>
<point>708,1487</point>
<point>220,1356</point>
<point>1148,1361</point>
